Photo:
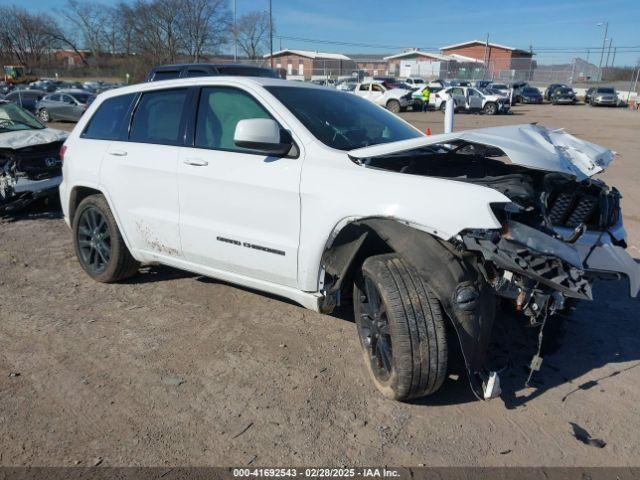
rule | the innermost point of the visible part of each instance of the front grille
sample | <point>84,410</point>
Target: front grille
<point>37,161</point>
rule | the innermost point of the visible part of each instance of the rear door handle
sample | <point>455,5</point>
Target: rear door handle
<point>196,162</point>
<point>118,153</point>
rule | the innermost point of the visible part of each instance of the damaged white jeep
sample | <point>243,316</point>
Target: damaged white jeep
<point>323,197</point>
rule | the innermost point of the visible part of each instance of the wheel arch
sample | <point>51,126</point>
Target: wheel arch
<point>80,192</point>
<point>454,277</point>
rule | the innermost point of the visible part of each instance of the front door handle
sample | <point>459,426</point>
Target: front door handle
<point>196,162</point>
<point>118,153</point>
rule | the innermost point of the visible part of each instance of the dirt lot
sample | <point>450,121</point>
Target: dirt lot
<point>175,369</point>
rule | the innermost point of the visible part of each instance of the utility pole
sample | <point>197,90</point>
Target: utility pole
<point>615,49</point>
<point>604,42</point>
<point>271,32</point>
<point>486,56</point>
<point>632,85</point>
<point>606,63</point>
<point>235,31</point>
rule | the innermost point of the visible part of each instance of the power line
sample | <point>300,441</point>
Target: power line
<point>540,49</point>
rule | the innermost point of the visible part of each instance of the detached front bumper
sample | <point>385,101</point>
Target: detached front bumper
<point>553,264</point>
<point>601,253</point>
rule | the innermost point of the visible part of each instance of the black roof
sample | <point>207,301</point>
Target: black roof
<point>182,70</point>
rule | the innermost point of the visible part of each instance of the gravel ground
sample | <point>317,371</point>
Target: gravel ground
<point>171,368</point>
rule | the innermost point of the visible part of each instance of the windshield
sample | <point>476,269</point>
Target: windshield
<point>530,91</point>
<point>563,91</point>
<point>13,118</point>
<point>499,86</point>
<point>342,120</point>
<point>606,90</point>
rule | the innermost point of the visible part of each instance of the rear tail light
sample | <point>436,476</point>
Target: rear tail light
<point>63,150</point>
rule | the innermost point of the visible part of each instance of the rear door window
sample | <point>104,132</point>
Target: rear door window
<point>158,117</point>
<point>107,122</point>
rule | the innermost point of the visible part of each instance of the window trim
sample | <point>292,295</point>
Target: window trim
<point>181,126</point>
<point>190,131</point>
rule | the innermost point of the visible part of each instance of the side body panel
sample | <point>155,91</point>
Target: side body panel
<point>335,191</point>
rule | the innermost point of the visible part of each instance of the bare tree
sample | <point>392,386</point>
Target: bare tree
<point>25,35</point>
<point>203,26</point>
<point>156,27</point>
<point>253,33</point>
<point>89,19</point>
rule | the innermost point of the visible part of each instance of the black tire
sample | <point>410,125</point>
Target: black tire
<point>44,115</point>
<point>410,327</point>
<point>101,250</point>
<point>490,108</point>
<point>393,106</point>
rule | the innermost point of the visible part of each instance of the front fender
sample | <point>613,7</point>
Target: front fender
<point>461,289</point>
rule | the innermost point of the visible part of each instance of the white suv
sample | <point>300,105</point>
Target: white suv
<point>393,99</point>
<point>322,197</point>
<point>472,100</point>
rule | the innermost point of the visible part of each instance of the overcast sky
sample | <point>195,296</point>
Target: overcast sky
<point>391,25</point>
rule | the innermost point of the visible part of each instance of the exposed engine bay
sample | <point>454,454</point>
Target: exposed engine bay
<point>561,229</point>
<point>28,173</point>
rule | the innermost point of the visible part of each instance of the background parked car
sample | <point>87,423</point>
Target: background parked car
<point>415,81</point>
<point>393,99</point>
<point>604,96</point>
<point>460,83</point>
<point>482,84</point>
<point>530,95</point>
<point>499,88</point>
<point>44,85</point>
<point>168,72</point>
<point>563,95</point>
<point>470,99</point>
<point>25,98</point>
<point>64,105</point>
<point>551,88</point>
<point>517,88</point>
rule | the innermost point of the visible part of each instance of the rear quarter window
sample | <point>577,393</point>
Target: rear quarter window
<point>108,120</point>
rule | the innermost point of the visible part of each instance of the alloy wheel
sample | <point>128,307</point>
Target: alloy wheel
<point>94,240</point>
<point>373,328</point>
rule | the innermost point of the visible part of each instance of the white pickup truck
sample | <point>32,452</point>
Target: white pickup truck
<point>393,99</point>
<point>324,198</point>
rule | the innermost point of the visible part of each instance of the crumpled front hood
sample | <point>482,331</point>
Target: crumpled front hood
<point>527,145</point>
<point>28,138</point>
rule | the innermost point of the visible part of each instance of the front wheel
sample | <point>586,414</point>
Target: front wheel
<point>401,328</point>
<point>490,109</point>
<point>393,106</point>
<point>98,243</point>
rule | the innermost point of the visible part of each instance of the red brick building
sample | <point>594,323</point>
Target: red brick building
<point>307,65</point>
<point>501,60</point>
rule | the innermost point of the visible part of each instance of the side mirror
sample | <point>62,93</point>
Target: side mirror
<point>263,135</point>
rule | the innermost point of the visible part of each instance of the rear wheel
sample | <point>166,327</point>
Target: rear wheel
<point>98,244</point>
<point>393,106</point>
<point>401,328</point>
<point>44,116</point>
